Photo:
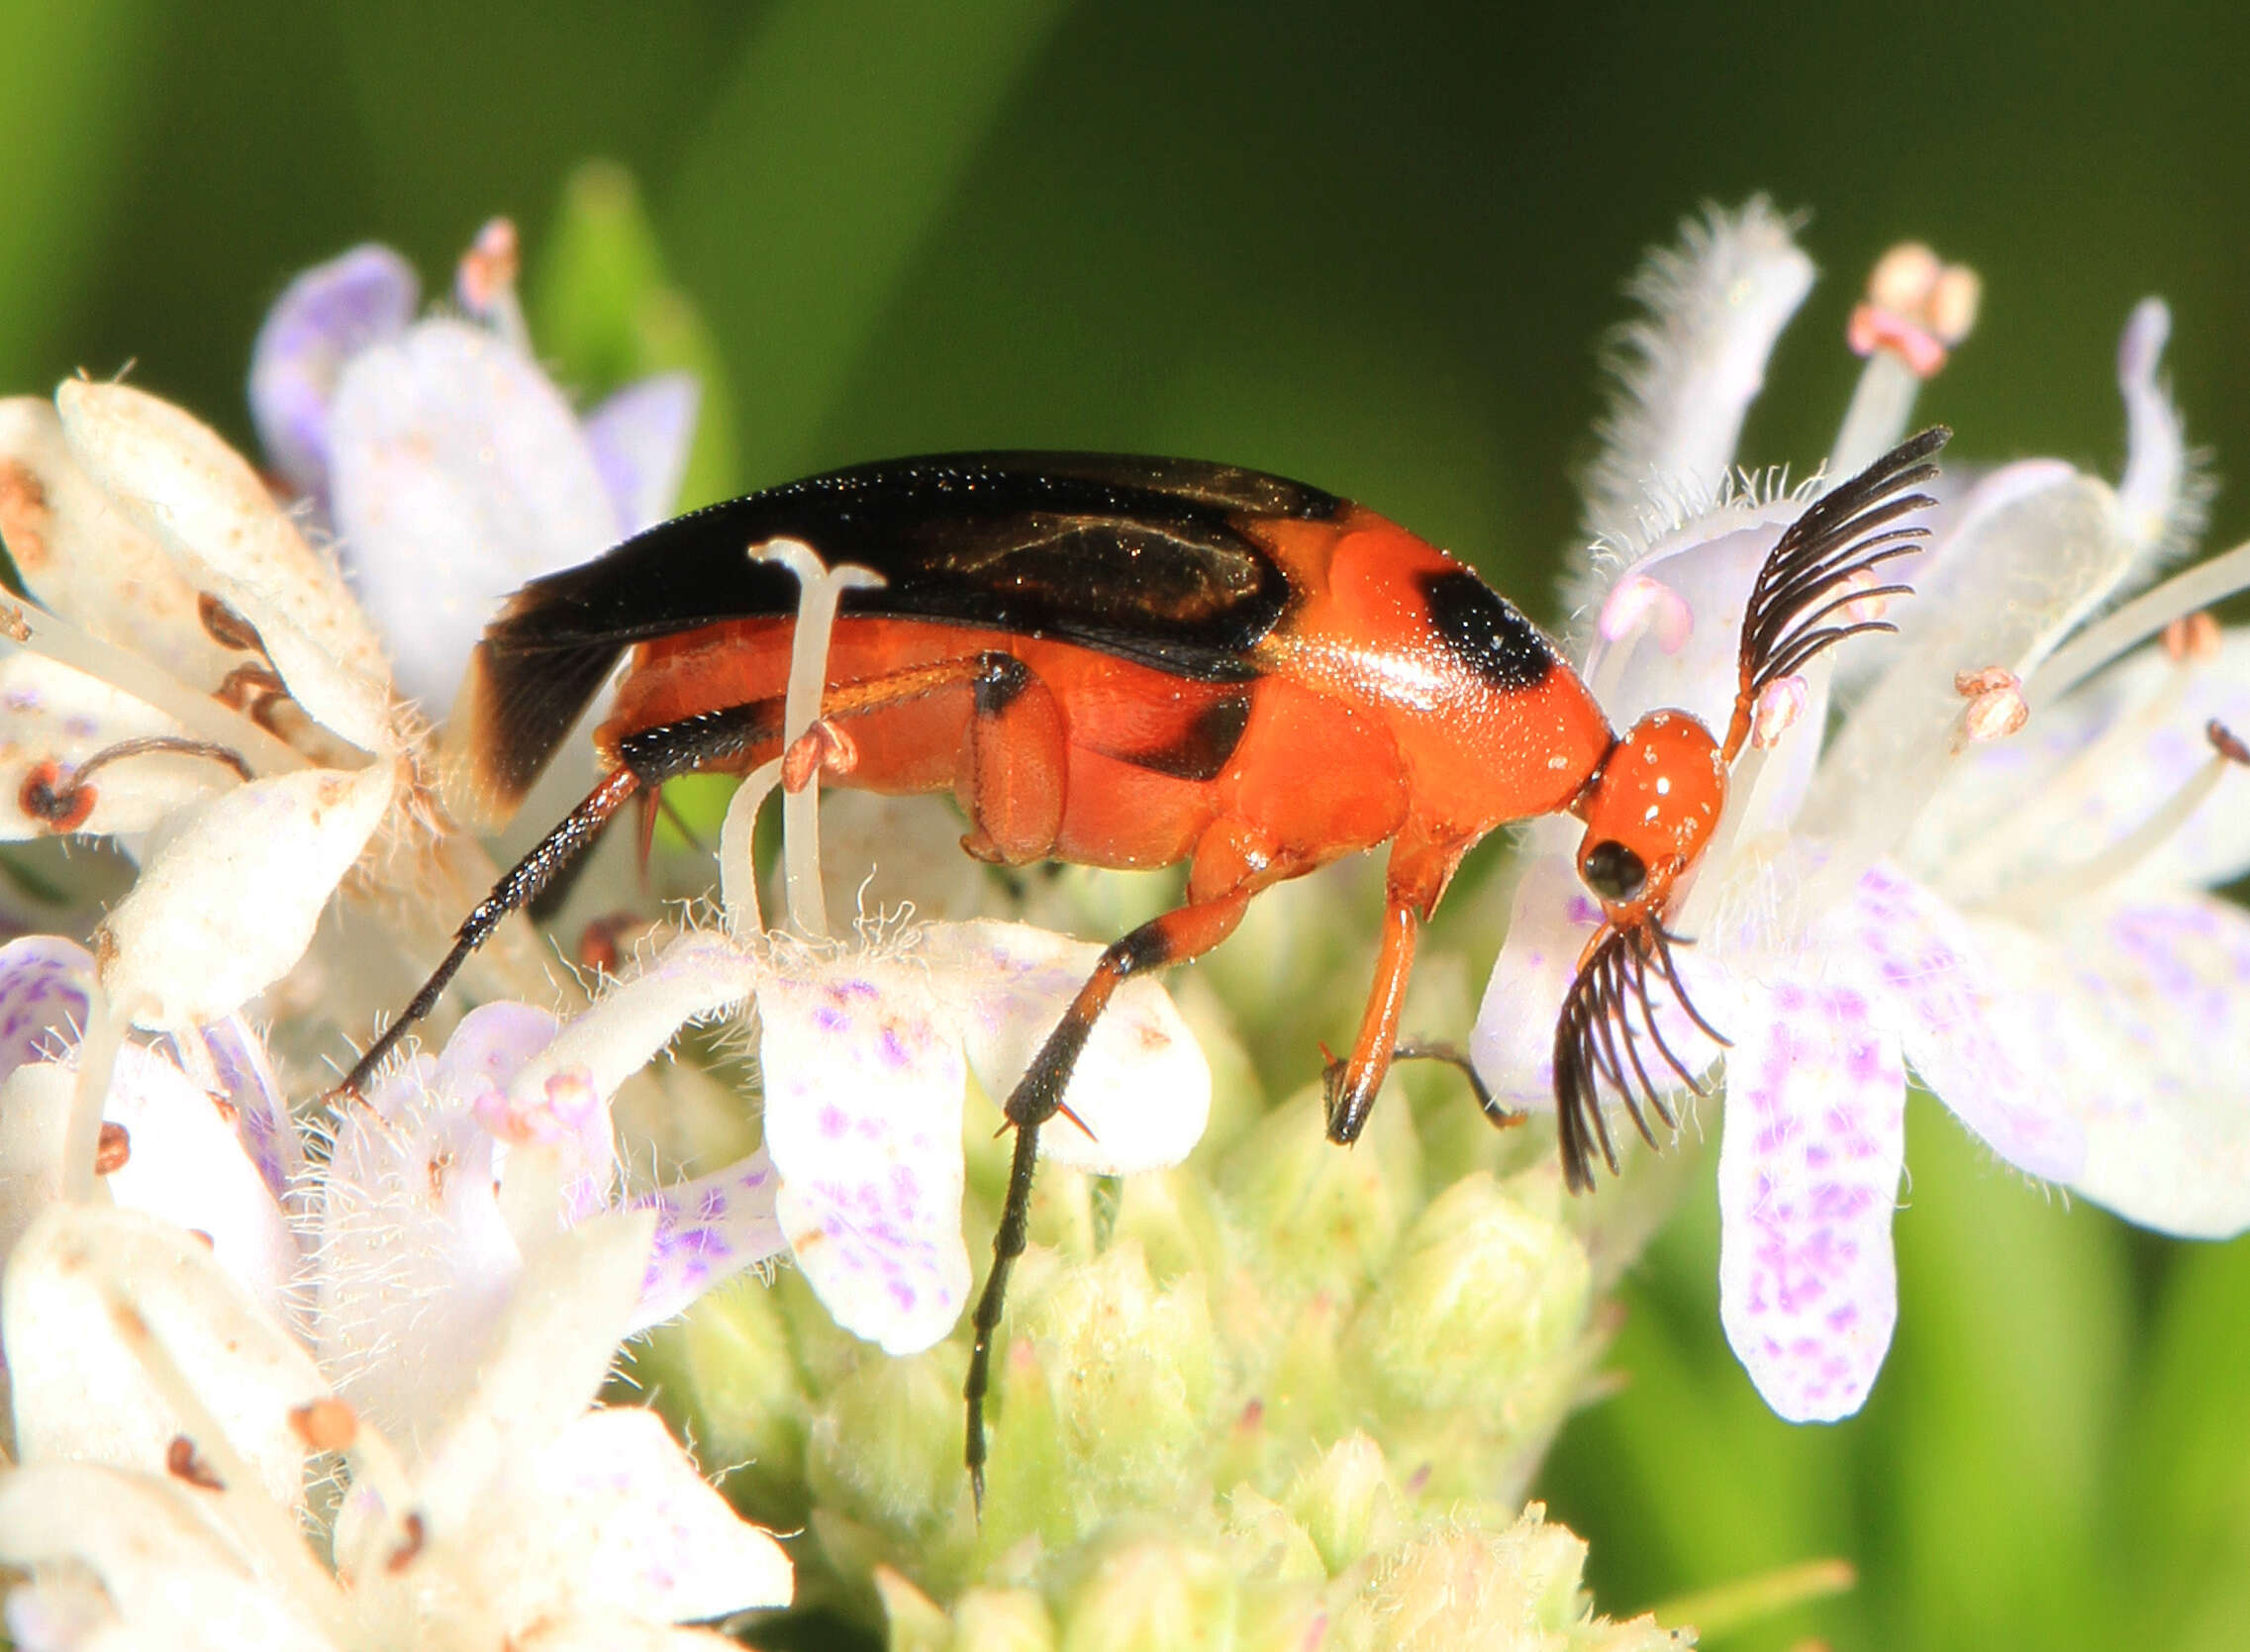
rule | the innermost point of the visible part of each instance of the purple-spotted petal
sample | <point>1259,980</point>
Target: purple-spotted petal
<point>458,472</point>
<point>1808,1179</point>
<point>2137,1010</point>
<point>1140,1089</point>
<point>864,1081</point>
<point>321,319</point>
<point>639,439</point>
<point>44,983</point>
<point>1969,1036</point>
<point>262,1110</point>
<point>709,1228</point>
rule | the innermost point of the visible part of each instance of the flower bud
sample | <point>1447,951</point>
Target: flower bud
<point>1150,1594</point>
<point>1323,1218</point>
<point>725,1375</point>
<point>1347,1503</point>
<point>1002,1621</point>
<point>885,1448</point>
<point>1482,1293</point>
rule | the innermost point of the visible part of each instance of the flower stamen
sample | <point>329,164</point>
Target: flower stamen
<point>2147,616</point>
<point>1916,309</point>
<point>2099,872</point>
<point>1996,708</point>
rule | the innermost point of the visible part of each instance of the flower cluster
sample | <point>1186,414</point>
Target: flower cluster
<point>1975,846</point>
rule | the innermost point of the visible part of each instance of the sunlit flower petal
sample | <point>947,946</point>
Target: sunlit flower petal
<point>228,896</point>
<point>709,1228</point>
<point>321,319</point>
<point>1807,1178</point>
<point>88,1293</point>
<point>53,720</point>
<point>196,496</point>
<point>612,1516</point>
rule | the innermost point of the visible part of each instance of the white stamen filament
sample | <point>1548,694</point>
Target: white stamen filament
<point>282,1557</point>
<point>127,672</point>
<point>2075,884</point>
<point>106,1023</point>
<point>737,871</point>
<point>818,588</point>
<point>1881,405</point>
<point>2201,586</point>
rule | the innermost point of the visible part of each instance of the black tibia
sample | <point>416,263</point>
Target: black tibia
<point>648,760</point>
<point>1038,1098</point>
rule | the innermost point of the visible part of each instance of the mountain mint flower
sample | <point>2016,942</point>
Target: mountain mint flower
<point>2011,914</point>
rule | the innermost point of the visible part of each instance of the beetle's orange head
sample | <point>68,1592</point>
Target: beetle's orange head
<point>1648,812</point>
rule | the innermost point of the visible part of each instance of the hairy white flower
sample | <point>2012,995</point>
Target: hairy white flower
<point>2013,916</point>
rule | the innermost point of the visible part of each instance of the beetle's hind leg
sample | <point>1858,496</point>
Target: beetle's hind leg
<point>1177,935</point>
<point>646,762</point>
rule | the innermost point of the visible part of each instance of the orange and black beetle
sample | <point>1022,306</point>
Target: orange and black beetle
<point>1136,662</point>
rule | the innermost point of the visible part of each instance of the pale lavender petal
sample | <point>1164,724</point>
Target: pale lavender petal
<point>1932,989</point>
<point>458,473</point>
<point>262,1110</point>
<point>864,1085</point>
<point>2137,1014</point>
<point>1513,1044</point>
<point>44,983</point>
<point>1808,1179</point>
<point>1708,566</point>
<point>708,1229</point>
<point>639,439</point>
<point>321,319</point>
<point>1142,1088</point>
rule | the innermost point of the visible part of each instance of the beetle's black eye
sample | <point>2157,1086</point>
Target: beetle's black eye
<point>1614,871</point>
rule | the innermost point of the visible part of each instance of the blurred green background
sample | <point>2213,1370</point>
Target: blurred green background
<point>1376,248</point>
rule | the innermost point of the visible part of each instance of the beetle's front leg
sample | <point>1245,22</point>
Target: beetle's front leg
<point>1417,877</point>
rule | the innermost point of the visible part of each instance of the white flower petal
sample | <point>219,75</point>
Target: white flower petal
<point>864,1083</point>
<point>548,1355</point>
<point>53,719</point>
<point>457,473</point>
<point>185,1163</point>
<point>321,319</point>
<point>639,439</point>
<point>1808,1180</point>
<point>85,560</point>
<point>1969,1037</point>
<point>2137,1010</point>
<point>89,1292</point>
<point>1688,372</point>
<point>2027,569</point>
<point>230,892</point>
<point>2160,499</point>
<point>697,977</point>
<point>415,1264</point>
<point>1141,1084</point>
<point>709,1228</point>
<point>175,1582</point>
<point>178,481</point>
<point>611,1515</point>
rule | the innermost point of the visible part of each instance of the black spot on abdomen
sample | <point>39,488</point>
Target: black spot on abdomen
<point>1485,631</point>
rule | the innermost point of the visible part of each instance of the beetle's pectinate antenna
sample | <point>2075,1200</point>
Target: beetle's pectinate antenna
<point>1651,811</point>
<point>1597,1042</point>
<point>1796,608</point>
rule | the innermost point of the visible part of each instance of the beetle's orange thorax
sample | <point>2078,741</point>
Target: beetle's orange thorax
<point>1490,722</point>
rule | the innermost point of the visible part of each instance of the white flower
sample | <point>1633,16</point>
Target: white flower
<point>166,1424</point>
<point>449,467</point>
<point>2015,918</point>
